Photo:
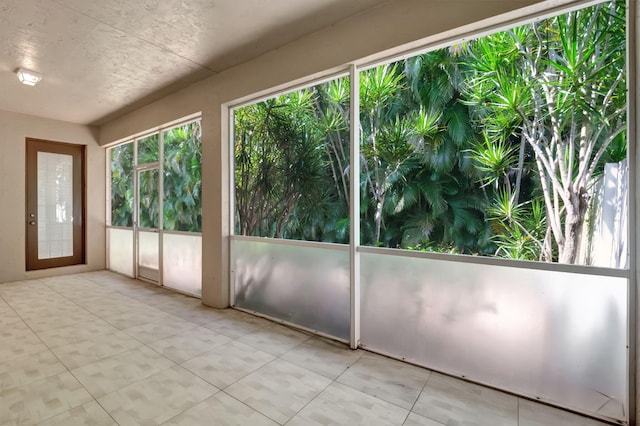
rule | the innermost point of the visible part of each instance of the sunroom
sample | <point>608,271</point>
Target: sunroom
<point>447,184</point>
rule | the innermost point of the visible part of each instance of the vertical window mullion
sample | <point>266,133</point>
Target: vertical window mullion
<point>354,203</point>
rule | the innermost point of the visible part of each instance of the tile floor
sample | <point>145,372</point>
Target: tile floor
<point>101,349</point>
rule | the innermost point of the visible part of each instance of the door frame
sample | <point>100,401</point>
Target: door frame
<point>136,223</point>
<point>78,152</point>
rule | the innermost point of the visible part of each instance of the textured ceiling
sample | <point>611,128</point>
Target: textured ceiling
<point>99,57</point>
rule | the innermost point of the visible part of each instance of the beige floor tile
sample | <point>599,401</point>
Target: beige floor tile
<point>89,414</point>
<point>76,332</point>
<point>177,303</point>
<point>115,372</point>
<point>14,327</point>
<point>9,318</point>
<point>220,410</point>
<point>228,363</point>
<point>48,322</point>
<point>417,420</point>
<point>202,314</point>
<point>453,401</point>
<point>279,389</point>
<point>19,346</point>
<point>275,339</point>
<point>42,399</point>
<point>87,351</point>
<point>152,332</point>
<point>237,324</point>
<point>387,379</point>
<point>534,414</point>
<point>34,310</point>
<point>111,306</point>
<point>342,405</point>
<point>5,309</point>
<point>323,356</point>
<point>146,315</point>
<point>189,344</point>
<point>158,398</point>
<point>158,297</point>
<point>21,371</point>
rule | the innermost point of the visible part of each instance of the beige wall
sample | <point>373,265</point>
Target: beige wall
<point>14,128</point>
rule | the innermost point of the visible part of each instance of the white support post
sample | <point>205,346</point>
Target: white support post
<point>354,195</point>
<point>633,157</point>
<point>160,207</point>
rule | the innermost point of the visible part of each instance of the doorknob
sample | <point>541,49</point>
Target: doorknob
<point>33,222</point>
<point>32,215</point>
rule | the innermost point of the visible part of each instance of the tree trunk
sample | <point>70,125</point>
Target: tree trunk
<point>574,220</point>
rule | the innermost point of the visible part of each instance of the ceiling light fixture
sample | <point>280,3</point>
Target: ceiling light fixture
<point>30,78</point>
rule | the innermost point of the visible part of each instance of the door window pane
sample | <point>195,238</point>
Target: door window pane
<point>148,203</point>
<point>55,205</point>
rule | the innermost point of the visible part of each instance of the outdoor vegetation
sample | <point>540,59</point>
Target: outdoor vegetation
<point>488,147</point>
<point>182,178</point>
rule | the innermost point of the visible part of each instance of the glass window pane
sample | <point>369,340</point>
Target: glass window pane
<point>55,205</point>
<point>292,165</point>
<point>148,151</point>
<point>122,185</point>
<point>499,146</point>
<point>148,211</point>
<point>182,178</point>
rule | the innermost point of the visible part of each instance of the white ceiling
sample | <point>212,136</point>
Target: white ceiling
<point>101,57</point>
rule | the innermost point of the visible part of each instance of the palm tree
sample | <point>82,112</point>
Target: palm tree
<point>416,169</point>
<point>558,87</point>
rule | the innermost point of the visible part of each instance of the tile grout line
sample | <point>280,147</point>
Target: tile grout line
<point>424,385</point>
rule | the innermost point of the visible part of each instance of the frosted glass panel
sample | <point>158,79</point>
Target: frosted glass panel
<point>182,262</point>
<point>148,250</point>
<point>55,205</point>
<point>121,251</point>
<point>308,286</point>
<point>558,336</point>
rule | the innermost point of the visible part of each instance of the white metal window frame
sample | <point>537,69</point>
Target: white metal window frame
<point>159,165</point>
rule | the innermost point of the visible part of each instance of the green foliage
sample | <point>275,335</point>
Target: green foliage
<point>486,147</point>
<point>149,206</point>
<point>182,182</point>
<point>122,185</point>
<point>550,98</point>
<point>291,159</point>
<point>182,178</point>
<point>148,149</point>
